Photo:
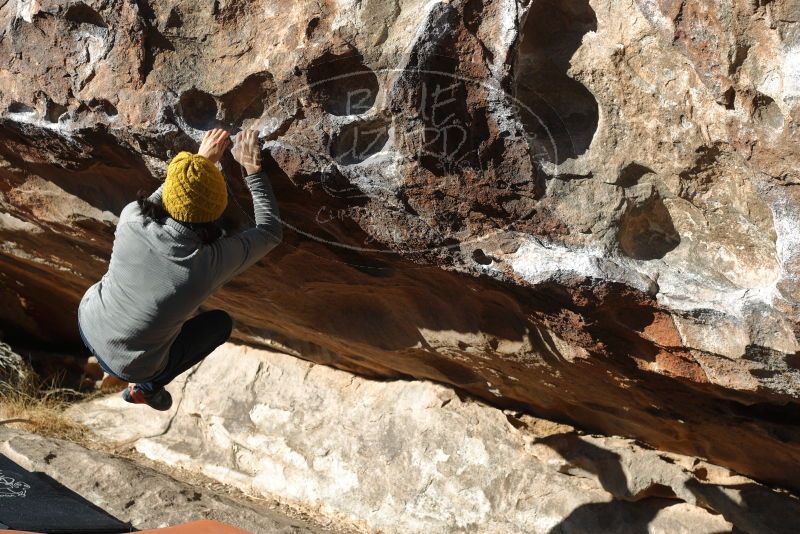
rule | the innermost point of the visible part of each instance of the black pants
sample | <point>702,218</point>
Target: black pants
<point>198,338</point>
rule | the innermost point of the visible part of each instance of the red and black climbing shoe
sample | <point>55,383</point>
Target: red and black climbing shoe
<point>160,400</point>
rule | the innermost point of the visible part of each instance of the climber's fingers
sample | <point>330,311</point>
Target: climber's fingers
<point>214,143</point>
<point>216,135</point>
<point>247,140</point>
<point>246,150</point>
<point>251,137</point>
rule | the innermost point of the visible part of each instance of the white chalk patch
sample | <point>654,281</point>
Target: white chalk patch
<point>332,465</point>
<point>9,222</point>
<point>473,452</point>
<point>506,34</point>
<point>791,73</point>
<point>537,262</point>
<point>263,415</point>
<point>26,9</point>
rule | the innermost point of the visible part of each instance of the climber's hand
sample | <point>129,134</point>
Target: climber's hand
<point>247,151</point>
<point>214,144</point>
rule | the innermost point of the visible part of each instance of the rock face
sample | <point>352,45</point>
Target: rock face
<point>584,209</point>
<point>412,456</point>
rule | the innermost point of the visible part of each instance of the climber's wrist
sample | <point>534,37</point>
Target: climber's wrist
<point>252,170</point>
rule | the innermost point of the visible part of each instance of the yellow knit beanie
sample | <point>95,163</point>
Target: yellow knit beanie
<point>194,190</point>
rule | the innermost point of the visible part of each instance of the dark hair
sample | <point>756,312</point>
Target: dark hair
<point>208,232</point>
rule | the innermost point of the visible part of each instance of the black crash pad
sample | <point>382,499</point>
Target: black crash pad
<point>35,502</point>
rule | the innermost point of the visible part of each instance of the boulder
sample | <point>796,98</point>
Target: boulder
<point>141,495</point>
<point>585,210</point>
<point>414,456</point>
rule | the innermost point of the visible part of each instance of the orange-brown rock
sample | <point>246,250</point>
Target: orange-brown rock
<point>585,209</point>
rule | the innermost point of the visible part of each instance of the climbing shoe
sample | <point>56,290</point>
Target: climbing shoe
<point>160,400</point>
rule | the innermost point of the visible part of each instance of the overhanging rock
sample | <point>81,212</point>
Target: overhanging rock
<point>536,203</point>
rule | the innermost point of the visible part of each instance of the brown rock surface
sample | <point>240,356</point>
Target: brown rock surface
<point>585,209</point>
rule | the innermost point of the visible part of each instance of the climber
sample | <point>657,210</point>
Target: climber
<point>169,255</point>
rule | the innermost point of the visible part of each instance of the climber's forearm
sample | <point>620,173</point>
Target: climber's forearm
<point>265,206</point>
<point>231,255</point>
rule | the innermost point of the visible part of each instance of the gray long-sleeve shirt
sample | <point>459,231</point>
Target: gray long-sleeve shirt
<point>159,275</point>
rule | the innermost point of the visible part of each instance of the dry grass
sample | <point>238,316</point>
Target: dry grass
<point>34,406</point>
